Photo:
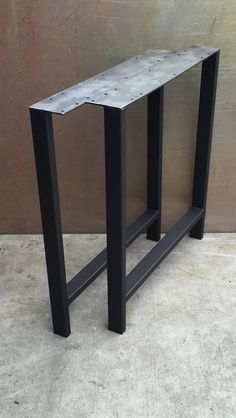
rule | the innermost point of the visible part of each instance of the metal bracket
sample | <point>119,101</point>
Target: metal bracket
<point>127,82</point>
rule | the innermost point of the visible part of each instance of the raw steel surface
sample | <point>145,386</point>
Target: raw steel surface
<point>50,45</point>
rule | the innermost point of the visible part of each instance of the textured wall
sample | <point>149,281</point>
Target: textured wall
<point>48,45</point>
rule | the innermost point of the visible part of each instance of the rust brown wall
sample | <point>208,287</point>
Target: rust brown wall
<point>49,45</point>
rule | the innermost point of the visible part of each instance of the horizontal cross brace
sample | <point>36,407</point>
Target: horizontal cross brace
<point>90,272</point>
<point>150,262</point>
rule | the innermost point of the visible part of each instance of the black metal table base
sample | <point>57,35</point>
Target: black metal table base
<point>120,286</point>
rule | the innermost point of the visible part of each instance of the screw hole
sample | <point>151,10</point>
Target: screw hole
<point>87,97</point>
<point>62,111</point>
<point>63,92</point>
<point>76,103</point>
<point>115,89</point>
<point>105,94</point>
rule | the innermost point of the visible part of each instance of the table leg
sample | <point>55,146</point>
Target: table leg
<point>50,212</point>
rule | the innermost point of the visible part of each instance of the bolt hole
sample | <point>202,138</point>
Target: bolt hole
<point>76,103</point>
<point>150,71</point>
<point>62,93</point>
<point>50,98</point>
<point>126,78</point>
<point>115,89</point>
<point>62,111</point>
<point>105,94</point>
<point>87,97</point>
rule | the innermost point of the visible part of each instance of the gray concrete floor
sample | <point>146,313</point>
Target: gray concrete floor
<point>176,358</point>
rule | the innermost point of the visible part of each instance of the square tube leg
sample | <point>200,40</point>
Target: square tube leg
<point>115,215</point>
<point>154,159</point>
<point>50,212</point>
<point>204,139</point>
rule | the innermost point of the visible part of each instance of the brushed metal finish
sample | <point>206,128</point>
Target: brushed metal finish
<point>126,83</point>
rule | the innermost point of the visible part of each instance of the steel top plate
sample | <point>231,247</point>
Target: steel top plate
<point>127,82</point>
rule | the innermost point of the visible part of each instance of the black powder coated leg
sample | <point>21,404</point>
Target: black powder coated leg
<point>154,159</point>
<point>115,214</point>
<point>50,212</point>
<point>204,138</point>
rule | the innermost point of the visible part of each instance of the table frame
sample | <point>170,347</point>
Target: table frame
<point>120,286</point>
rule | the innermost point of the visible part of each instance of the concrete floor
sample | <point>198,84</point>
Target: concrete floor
<point>175,360</point>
